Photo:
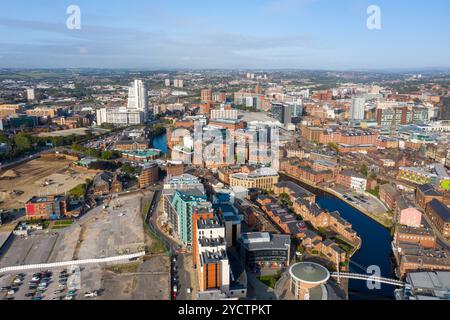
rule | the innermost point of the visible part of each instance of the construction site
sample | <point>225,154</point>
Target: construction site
<point>40,177</point>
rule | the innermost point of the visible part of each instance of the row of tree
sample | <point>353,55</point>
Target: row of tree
<point>24,143</point>
<point>97,153</point>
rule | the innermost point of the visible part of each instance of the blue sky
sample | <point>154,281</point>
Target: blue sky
<point>156,34</point>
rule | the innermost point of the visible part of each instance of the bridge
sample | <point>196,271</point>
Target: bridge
<point>46,266</point>
<point>367,277</point>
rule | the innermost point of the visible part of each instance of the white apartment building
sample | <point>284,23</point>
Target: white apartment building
<point>119,116</point>
<point>211,250</point>
<point>358,184</point>
<point>30,94</point>
<point>135,113</point>
<point>224,114</point>
<point>178,83</point>
<point>358,108</point>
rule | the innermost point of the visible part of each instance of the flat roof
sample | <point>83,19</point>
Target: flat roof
<point>416,231</point>
<point>265,241</point>
<point>143,154</point>
<point>439,280</point>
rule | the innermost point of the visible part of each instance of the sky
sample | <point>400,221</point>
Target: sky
<point>231,34</point>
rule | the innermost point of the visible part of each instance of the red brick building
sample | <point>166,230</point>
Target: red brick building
<point>421,236</point>
<point>46,207</point>
<point>206,95</point>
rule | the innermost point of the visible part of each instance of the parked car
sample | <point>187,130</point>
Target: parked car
<point>91,294</point>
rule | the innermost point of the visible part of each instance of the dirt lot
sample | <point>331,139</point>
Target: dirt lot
<point>100,233</point>
<point>30,179</point>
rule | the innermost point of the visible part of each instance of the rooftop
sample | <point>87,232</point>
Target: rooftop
<point>265,241</point>
<point>415,231</point>
<point>298,190</point>
<point>440,209</point>
<point>428,190</point>
<point>144,154</point>
<point>213,223</point>
<point>309,273</point>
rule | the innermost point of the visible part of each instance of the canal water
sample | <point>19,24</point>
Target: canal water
<point>160,143</point>
<point>375,250</point>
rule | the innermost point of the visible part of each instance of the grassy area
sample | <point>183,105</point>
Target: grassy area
<point>125,268</point>
<point>270,281</point>
<point>64,222</point>
<point>375,192</point>
<point>343,245</point>
<point>61,224</point>
<point>79,191</point>
<point>157,246</point>
<point>45,224</point>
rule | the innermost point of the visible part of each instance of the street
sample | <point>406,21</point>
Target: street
<point>180,275</point>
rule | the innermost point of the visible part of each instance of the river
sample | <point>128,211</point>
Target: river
<point>375,250</point>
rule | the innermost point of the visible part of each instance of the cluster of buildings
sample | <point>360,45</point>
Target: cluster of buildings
<point>219,139</point>
<point>419,225</point>
<point>292,220</point>
<point>209,228</point>
<point>17,116</point>
<point>134,145</point>
<point>135,113</point>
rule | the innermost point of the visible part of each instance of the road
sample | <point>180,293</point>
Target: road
<point>181,275</point>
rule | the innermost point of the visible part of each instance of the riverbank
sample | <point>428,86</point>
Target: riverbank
<point>375,248</point>
<point>383,222</point>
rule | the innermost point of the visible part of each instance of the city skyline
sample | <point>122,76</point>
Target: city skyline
<point>278,34</point>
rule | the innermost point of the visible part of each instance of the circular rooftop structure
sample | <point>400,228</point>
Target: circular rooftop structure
<point>309,273</point>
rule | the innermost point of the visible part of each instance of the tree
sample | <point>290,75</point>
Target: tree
<point>106,155</point>
<point>108,126</point>
<point>364,171</point>
<point>22,142</point>
<point>373,176</point>
<point>285,200</point>
<point>158,129</point>
<point>128,169</point>
<point>333,146</point>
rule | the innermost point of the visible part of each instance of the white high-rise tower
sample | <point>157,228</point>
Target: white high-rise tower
<point>30,94</point>
<point>138,98</point>
<point>358,108</point>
